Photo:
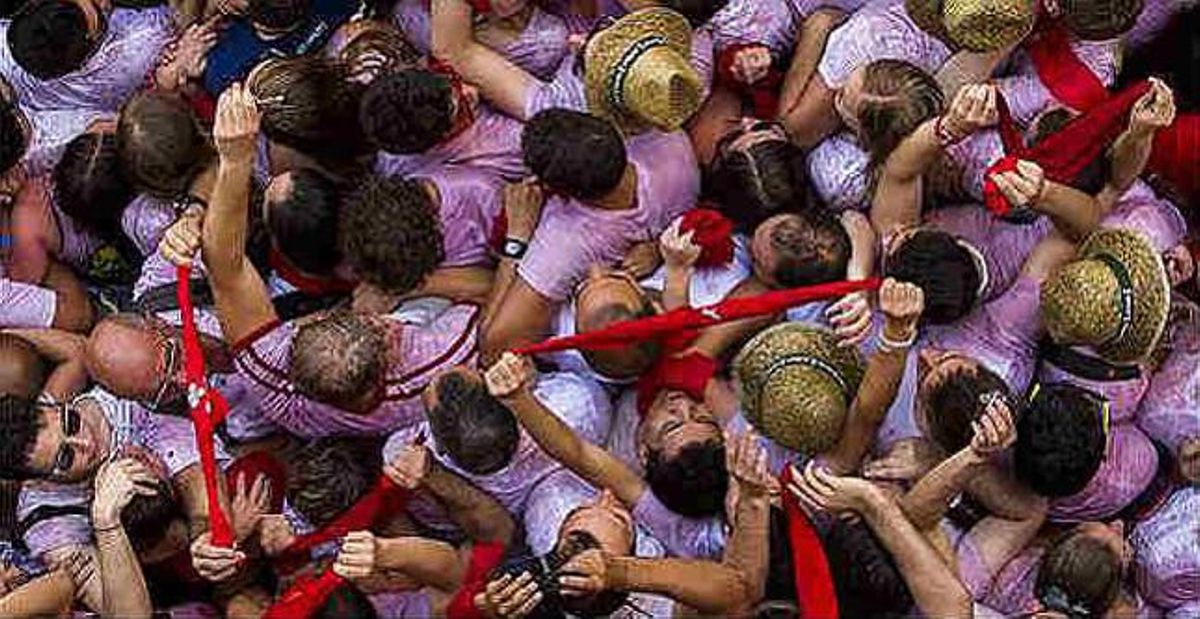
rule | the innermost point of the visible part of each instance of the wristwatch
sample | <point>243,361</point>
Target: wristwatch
<point>514,248</point>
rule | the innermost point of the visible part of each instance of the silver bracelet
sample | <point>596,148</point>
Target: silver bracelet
<point>887,344</point>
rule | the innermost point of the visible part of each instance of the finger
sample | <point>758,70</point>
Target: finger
<point>1005,186</point>
<point>513,587</point>
<point>577,585</point>
<point>260,494</point>
<point>530,604</point>
<point>494,587</point>
<point>813,476</point>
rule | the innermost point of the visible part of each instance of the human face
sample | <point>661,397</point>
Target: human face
<point>675,421</point>
<point>605,519</point>
<point>72,440</point>
<point>848,99</point>
<point>168,369</point>
<point>762,250</point>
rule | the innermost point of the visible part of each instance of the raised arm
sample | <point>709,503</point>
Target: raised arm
<point>510,380</point>
<point>65,351</point>
<point>242,301</point>
<point>1075,213</point>
<point>429,562</point>
<point>504,84</point>
<point>901,304</point>
<point>810,45</point>
<point>1130,153</point>
<point>124,587</point>
<point>711,588</point>
<point>679,255</point>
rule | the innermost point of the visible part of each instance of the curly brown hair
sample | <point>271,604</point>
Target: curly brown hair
<point>391,234</point>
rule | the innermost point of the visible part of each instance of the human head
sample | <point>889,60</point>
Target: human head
<point>805,249</point>
<point>607,297</point>
<point>22,369</point>
<point>954,390</point>
<point>301,209</point>
<point>277,16</point>
<point>1060,440</point>
<point>1081,574</point>
<point>147,518</point>
<point>390,233</point>
<point>306,105</point>
<point>138,358</point>
<point>575,154</point>
<point>865,577</point>
<point>475,429</point>
<point>341,359</point>
<point>51,38</point>
<point>1096,20</point>
<point>682,449</point>
<point>89,185</point>
<point>885,101</point>
<point>372,43</point>
<point>413,110</point>
<point>64,442</point>
<point>330,475</point>
<point>758,173</point>
<point>161,145</point>
<point>1093,177</point>
<point>942,266</point>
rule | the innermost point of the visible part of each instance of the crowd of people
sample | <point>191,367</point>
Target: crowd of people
<point>546,308</point>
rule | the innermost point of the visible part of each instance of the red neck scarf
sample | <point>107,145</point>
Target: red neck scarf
<point>1176,155</point>
<point>304,598</point>
<point>1060,69</point>
<point>383,499</point>
<point>1066,153</point>
<point>309,285</point>
<point>208,408</point>
<point>815,593</point>
<point>712,232</point>
<point>763,94</point>
<point>485,556</point>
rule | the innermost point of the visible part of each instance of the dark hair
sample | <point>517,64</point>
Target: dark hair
<point>573,153</point>
<point>694,482</point>
<point>810,248</point>
<point>697,12</point>
<point>390,232</point>
<point>330,475</point>
<point>309,107</point>
<point>147,518</point>
<point>1079,576</point>
<point>278,14</point>
<point>956,401</point>
<point>476,430</point>
<point>866,579</point>
<point>13,139</point>
<point>1060,441</point>
<point>161,145</point>
<point>627,361</point>
<point>338,358</point>
<point>22,369</point>
<point>897,97</point>
<point>303,225</point>
<point>943,269</point>
<point>49,38</point>
<point>751,185</point>
<point>408,111</point>
<point>19,427</point>
<point>89,186</point>
<point>545,572</point>
<point>1100,20</point>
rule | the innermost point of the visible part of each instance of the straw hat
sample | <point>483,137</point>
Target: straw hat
<point>1115,297</point>
<point>638,75</point>
<point>975,25</point>
<point>796,385</point>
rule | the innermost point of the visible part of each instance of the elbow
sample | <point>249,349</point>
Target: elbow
<point>73,313</point>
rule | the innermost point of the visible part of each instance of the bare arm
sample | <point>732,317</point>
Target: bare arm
<point>125,593</point>
<point>63,349</point>
<point>73,309</point>
<point>522,317</point>
<point>966,67</point>
<point>810,45</point>
<point>478,514</point>
<point>49,595</point>
<point>930,497</point>
<point>504,84</point>
<point>462,284</point>
<point>812,117</point>
<point>1131,151</point>
<point>710,588</point>
<point>1075,213</point>
<point>430,562</point>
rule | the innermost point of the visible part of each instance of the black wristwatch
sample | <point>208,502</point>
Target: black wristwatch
<point>514,248</point>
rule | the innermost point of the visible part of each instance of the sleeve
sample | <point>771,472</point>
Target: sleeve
<point>1170,411</point>
<point>25,306</point>
<point>144,222</point>
<point>53,516</point>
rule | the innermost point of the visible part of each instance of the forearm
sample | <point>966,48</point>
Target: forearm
<point>429,562</point>
<point>1130,153</point>
<point>1003,496</point>
<point>49,595</point>
<point>225,223</point>
<point>934,587</point>
<point>897,200</point>
<point>451,29</point>
<point>711,588</point>
<point>124,586</point>
<point>506,273</point>
<point>878,389</point>
<point>73,308</point>
<point>477,513</point>
<point>810,45</point>
<point>967,67</point>
<point>930,497</point>
<point>675,288</point>
<point>66,351</point>
<point>461,284</point>
<point>748,550</point>
<point>1075,213</point>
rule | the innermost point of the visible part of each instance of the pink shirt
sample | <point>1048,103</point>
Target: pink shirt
<point>1167,551</point>
<point>52,131</point>
<point>471,205</point>
<point>1170,411</point>
<point>26,306</point>
<point>1157,218</point>
<point>774,23</point>
<point>1127,469</point>
<point>1004,245</point>
<point>880,30</point>
<point>428,335</point>
<point>145,220</point>
<point>572,236</point>
<point>538,49</point>
<point>492,143</point>
<point>1154,18</point>
<point>130,50</point>
<point>1027,96</point>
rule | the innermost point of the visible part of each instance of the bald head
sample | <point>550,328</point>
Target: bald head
<point>22,370</point>
<point>123,355</point>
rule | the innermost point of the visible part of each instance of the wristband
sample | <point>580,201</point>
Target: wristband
<point>514,248</point>
<point>887,344</point>
<point>944,137</point>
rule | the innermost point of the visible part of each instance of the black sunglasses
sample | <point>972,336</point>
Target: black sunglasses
<point>70,422</point>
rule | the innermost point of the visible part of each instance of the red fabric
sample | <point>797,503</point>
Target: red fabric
<point>251,466</point>
<point>689,374</point>
<point>383,499</point>
<point>312,286</point>
<point>1067,152</point>
<point>1176,155</point>
<point>713,232</point>
<point>632,331</point>
<point>764,94</point>
<point>481,6</point>
<point>208,408</point>
<point>304,598</point>
<point>1062,72</point>
<point>485,557</point>
<point>815,593</point>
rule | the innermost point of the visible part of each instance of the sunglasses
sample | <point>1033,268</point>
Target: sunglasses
<point>70,422</point>
<point>170,352</point>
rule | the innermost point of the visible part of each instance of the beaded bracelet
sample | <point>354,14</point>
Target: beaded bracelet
<point>887,344</point>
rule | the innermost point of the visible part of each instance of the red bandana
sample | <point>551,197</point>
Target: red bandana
<point>304,598</point>
<point>208,408</point>
<point>764,94</point>
<point>485,556</point>
<point>1061,71</point>
<point>713,233</point>
<point>815,593</point>
<point>1176,155</point>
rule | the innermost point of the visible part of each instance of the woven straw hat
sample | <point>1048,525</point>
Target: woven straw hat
<point>1099,20</point>
<point>638,75</point>
<point>796,385</point>
<point>1114,297</point>
<point>975,25</point>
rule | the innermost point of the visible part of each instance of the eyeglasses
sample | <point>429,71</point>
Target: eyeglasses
<point>70,421</point>
<point>170,345</point>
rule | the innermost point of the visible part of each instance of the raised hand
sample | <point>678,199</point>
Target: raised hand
<point>409,467</point>
<point>820,490</point>
<point>509,376</point>
<point>116,484</point>
<point>678,250</point>
<point>249,505</point>
<point>585,574</point>
<point>235,130</point>
<point>995,429</point>
<point>1155,110</point>
<point>215,563</point>
<point>973,108</point>
<point>1023,187</point>
<point>509,597</point>
<point>851,318</point>
<point>747,464</point>
<point>182,240</point>
<point>356,559</point>
<point>902,304</point>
